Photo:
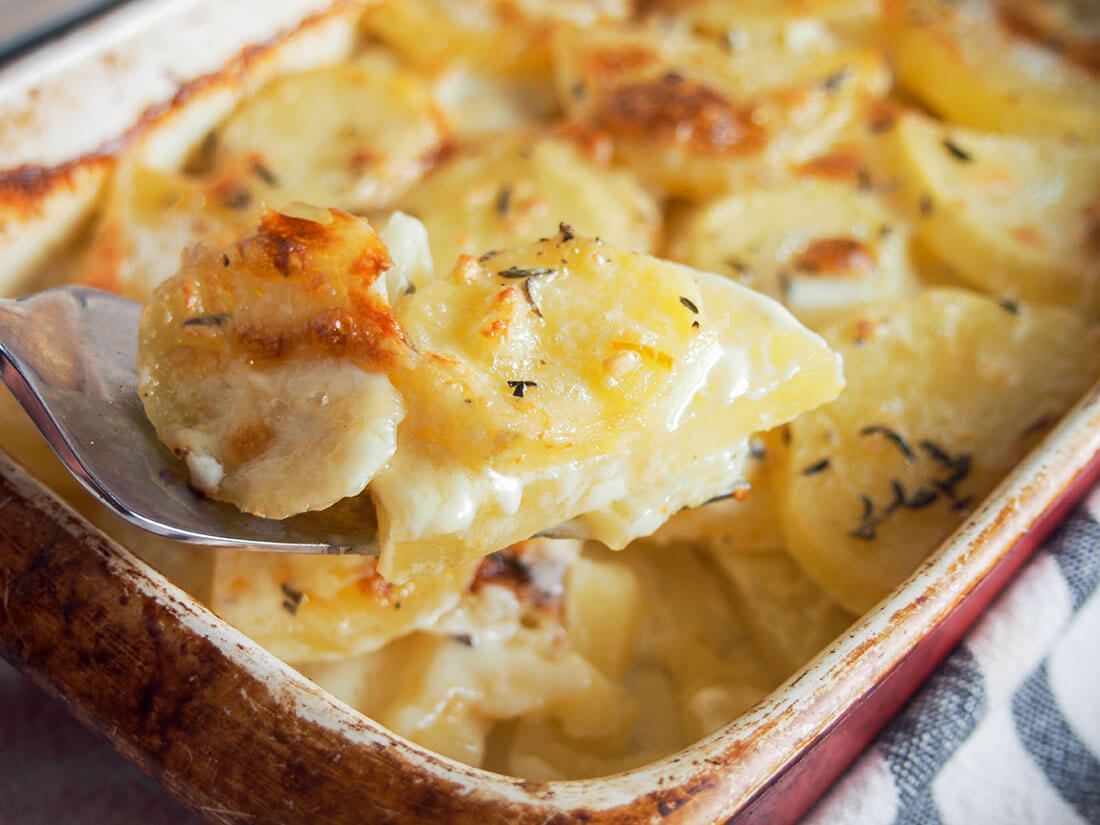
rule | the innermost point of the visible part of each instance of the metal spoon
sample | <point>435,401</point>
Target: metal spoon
<point>69,355</point>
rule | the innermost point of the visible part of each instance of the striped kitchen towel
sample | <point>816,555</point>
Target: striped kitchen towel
<point>1007,730</point>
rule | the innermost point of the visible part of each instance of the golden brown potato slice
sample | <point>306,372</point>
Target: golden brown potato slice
<point>263,364</point>
<point>354,136</point>
<point>692,119</point>
<point>822,248</point>
<point>512,190</point>
<point>946,392</point>
<point>968,64</point>
<point>1014,216</point>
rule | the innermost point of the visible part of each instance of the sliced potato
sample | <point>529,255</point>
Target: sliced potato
<point>451,693</point>
<point>602,610</point>
<point>512,36</point>
<point>694,635</point>
<point>499,653</point>
<point>566,381</point>
<point>790,617</point>
<point>692,665</point>
<point>149,218</point>
<point>802,24</point>
<point>693,120</point>
<point>540,749</point>
<point>271,355</point>
<point>745,521</point>
<point>822,248</point>
<point>354,136</point>
<point>477,103</point>
<point>571,379</point>
<point>967,64</point>
<point>946,392</point>
<point>321,608</point>
<point>1017,217</point>
<point>513,190</point>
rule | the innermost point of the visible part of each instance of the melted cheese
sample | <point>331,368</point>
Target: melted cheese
<point>635,405</point>
<point>567,381</point>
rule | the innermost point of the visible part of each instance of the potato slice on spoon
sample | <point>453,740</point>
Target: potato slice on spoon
<point>565,381</point>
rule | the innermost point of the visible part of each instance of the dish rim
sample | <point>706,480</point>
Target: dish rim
<point>734,773</point>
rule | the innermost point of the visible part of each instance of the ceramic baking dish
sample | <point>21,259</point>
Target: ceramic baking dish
<point>240,736</point>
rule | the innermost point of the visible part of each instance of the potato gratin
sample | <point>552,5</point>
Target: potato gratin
<point>508,268</point>
<point>566,381</point>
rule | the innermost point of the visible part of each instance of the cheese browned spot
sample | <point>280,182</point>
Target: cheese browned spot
<point>832,256</point>
<point>823,247</point>
<point>263,364</point>
<point>695,119</point>
<point>347,318</point>
<point>673,107</point>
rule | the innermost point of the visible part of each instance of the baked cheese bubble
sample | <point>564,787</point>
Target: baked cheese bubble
<point>567,385</point>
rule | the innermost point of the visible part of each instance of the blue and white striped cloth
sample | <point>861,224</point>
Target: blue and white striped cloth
<point>1007,730</point>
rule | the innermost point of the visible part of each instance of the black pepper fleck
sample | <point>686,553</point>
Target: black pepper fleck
<point>816,467</point>
<point>957,151</point>
<point>518,387</point>
<point>215,320</point>
<point>292,599</point>
<point>513,272</point>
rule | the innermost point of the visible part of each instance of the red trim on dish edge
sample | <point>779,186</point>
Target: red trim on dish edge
<point>799,786</point>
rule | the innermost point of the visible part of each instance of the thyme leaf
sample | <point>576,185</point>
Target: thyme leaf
<point>504,200</point>
<point>514,272</point>
<point>894,436</point>
<point>292,599</point>
<point>215,320</point>
<point>816,467</point>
